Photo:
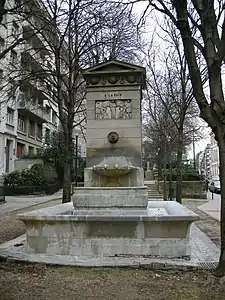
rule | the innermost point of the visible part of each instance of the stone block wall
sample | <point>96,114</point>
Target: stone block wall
<point>190,189</point>
<point>129,130</point>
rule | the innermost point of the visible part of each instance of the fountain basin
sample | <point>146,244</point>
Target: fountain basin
<point>113,166</point>
<point>112,171</point>
<point>162,230</point>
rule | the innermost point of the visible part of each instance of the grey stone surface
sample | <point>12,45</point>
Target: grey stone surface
<point>203,254</point>
<point>161,230</point>
<point>114,106</point>
<point>20,202</point>
<point>106,197</point>
<point>134,178</point>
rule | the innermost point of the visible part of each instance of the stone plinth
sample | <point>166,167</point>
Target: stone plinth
<point>109,198</point>
<point>139,233</point>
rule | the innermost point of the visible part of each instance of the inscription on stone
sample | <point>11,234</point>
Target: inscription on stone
<point>113,109</point>
<point>114,96</point>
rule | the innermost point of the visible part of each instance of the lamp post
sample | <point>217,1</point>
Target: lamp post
<point>76,152</point>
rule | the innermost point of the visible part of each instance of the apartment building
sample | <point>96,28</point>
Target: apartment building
<point>214,159</point>
<point>26,114</point>
<point>205,164</point>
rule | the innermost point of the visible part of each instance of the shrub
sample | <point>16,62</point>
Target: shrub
<point>37,175</point>
<point>188,174</point>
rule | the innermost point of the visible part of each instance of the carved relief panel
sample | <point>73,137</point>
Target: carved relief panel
<point>113,109</point>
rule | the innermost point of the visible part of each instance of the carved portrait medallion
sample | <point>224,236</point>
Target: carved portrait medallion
<point>113,137</point>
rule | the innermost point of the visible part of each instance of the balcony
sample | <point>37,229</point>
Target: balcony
<point>32,110</point>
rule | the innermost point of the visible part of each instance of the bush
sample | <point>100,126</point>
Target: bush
<point>188,174</point>
<point>37,175</point>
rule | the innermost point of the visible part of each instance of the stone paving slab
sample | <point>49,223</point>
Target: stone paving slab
<point>212,208</point>
<point>204,254</point>
<point>20,202</point>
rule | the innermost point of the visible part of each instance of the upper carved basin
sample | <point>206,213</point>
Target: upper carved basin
<point>113,166</point>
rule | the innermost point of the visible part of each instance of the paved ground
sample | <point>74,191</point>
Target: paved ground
<point>204,254</point>
<point>20,202</point>
<point>212,207</point>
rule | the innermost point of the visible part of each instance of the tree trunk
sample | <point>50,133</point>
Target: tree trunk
<point>170,184</point>
<point>179,167</point>
<point>67,181</point>
<point>221,267</point>
<point>164,174</point>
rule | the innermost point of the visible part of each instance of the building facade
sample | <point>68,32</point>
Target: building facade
<point>26,114</point>
<point>214,159</point>
<point>203,162</point>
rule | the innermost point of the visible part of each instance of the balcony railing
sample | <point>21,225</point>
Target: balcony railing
<point>32,110</point>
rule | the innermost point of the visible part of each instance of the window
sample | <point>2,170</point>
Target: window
<point>48,109</point>
<point>20,149</point>
<point>47,136</point>
<point>15,28</point>
<point>12,88</point>
<point>13,57</point>
<point>2,44</point>
<point>31,150</point>
<point>31,129</point>
<point>39,132</point>
<point>10,116</point>
<point>21,124</point>
<point>54,117</point>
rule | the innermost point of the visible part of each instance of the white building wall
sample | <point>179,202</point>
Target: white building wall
<point>214,159</point>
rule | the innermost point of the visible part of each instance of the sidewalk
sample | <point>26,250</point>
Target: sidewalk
<point>19,202</point>
<point>212,207</point>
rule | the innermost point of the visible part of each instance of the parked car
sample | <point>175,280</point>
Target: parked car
<point>214,187</point>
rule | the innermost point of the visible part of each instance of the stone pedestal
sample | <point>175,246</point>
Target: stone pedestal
<point>91,198</point>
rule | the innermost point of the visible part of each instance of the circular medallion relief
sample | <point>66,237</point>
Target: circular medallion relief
<point>131,78</point>
<point>112,79</point>
<point>113,137</point>
<point>94,80</point>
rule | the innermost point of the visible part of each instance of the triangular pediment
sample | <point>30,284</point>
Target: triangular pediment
<point>113,66</point>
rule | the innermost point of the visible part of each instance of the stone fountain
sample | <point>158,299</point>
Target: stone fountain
<point>110,216</point>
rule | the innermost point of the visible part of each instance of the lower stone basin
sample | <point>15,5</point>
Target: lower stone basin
<point>162,230</point>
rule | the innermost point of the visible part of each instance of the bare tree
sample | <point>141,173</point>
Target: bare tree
<point>202,28</point>
<point>172,87</point>
<point>118,36</point>
<point>65,28</point>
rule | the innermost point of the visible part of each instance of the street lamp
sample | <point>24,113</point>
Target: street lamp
<point>76,160</point>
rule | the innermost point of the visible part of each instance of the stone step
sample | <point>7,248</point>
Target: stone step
<point>155,196</point>
<point>153,193</point>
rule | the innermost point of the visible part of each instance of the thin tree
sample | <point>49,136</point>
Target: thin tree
<point>202,28</point>
<point>66,29</point>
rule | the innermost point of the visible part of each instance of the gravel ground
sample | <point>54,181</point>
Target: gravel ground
<point>39,282</point>
<point>11,228</point>
<point>209,225</point>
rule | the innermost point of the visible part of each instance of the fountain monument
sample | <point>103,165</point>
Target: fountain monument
<point>110,216</point>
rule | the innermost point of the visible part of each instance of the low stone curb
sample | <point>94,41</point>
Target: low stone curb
<point>11,253</point>
<point>111,263</point>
